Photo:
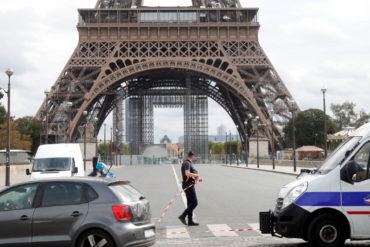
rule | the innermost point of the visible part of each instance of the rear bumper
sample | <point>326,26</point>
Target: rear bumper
<point>134,235</point>
<point>290,222</point>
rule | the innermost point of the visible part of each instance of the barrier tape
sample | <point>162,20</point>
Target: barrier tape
<point>210,231</point>
<point>171,202</point>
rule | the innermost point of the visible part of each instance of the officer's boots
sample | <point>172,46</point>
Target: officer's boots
<point>192,223</point>
<point>182,218</point>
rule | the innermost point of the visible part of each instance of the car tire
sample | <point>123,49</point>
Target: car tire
<point>94,238</point>
<point>325,231</point>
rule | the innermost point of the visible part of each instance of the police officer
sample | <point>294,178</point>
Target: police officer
<point>189,177</point>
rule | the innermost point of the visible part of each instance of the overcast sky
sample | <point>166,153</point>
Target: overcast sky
<point>311,43</point>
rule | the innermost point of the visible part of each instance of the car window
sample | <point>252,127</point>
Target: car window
<point>20,197</point>
<point>62,193</point>
<point>91,194</point>
<point>362,158</point>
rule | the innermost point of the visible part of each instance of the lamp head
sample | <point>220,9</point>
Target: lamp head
<point>9,72</point>
<point>84,113</point>
<point>323,90</point>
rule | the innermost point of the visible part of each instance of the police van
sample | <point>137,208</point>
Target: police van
<point>328,205</point>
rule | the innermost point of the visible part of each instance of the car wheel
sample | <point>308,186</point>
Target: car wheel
<point>95,238</point>
<point>325,231</point>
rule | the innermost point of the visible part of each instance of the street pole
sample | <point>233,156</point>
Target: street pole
<point>46,117</point>
<point>294,146</point>
<point>85,114</point>
<point>246,144</point>
<point>9,73</point>
<point>231,161</point>
<point>258,148</point>
<point>111,146</point>
<point>226,154</point>
<point>105,148</point>
<point>323,90</point>
<point>237,145</point>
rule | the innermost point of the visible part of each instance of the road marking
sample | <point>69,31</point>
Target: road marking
<point>177,232</point>
<point>255,227</point>
<point>179,186</point>
<point>221,230</point>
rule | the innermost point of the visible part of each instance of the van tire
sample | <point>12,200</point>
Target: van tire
<point>325,231</point>
<point>97,236</point>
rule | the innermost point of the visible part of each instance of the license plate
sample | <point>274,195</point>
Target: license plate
<point>149,233</point>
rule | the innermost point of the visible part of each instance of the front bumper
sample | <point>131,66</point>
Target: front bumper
<point>290,222</point>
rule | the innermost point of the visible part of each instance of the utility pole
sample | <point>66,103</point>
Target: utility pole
<point>323,90</point>
<point>9,73</point>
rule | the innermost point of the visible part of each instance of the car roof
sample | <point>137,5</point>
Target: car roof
<point>89,180</point>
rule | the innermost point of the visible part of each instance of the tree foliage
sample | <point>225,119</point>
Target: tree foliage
<point>17,139</point>
<point>344,114</point>
<point>309,128</point>
<point>31,127</point>
<point>2,114</point>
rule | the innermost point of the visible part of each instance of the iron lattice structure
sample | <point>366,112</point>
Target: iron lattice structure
<point>124,48</point>
<point>140,116</point>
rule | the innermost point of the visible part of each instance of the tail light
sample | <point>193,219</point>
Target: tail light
<point>122,212</point>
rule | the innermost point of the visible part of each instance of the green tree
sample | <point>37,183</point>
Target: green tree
<point>309,128</point>
<point>2,114</point>
<point>31,127</point>
<point>344,114</point>
<point>17,139</point>
<point>362,118</point>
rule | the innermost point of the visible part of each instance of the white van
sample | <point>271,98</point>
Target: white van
<point>57,160</point>
<point>328,205</point>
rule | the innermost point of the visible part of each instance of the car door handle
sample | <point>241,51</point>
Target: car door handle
<point>24,217</point>
<point>76,214</point>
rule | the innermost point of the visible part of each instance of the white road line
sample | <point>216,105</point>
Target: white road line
<point>221,230</point>
<point>255,226</point>
<point>177,232</point>
<point>179,186</point>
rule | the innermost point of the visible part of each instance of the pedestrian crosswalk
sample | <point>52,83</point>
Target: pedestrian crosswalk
<point>209,230</point>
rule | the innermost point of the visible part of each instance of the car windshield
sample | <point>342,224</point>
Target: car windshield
<point>339,154</point>
<point>52,164</point>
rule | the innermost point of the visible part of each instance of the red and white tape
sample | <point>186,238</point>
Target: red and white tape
<point>171,202</point>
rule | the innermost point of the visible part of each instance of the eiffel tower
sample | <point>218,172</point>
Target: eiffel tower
<point>126,49</point>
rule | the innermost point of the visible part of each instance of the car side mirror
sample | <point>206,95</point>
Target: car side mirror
<point>348,172</point>
<point>75,170</point>
<point>28,172</point>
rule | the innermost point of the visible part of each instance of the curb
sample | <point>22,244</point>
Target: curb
<point>263,170</point>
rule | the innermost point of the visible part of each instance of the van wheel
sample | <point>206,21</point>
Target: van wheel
<point>325,231</point>
<point>95,238</point>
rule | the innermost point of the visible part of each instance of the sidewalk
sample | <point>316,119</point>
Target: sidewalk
<point>268,168</point>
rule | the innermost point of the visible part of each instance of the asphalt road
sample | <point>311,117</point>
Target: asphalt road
<point>229,199</point>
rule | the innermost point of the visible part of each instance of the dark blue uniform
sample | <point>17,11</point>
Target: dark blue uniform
<point>191,195</point>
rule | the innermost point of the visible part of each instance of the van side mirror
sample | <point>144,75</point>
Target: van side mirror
<point>28,172</point>
<point>75,170</point>
<point>348,172</point>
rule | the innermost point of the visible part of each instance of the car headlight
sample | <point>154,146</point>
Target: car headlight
<point>294,194</point>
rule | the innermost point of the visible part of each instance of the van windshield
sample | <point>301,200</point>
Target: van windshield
<point>339,154</point>
<point>52,164</point>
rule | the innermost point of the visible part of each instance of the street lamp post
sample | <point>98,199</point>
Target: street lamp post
<point>237,145</point>
<point>9,73</point>
<point>226,156</point>
<point>271,110</point>
<point>111,146</point>
<point>105,148</point>
<point>85,114</point>
<point>293,109</point>
<point>256,126</point>
<point>246,143</point>
<point>323,90</point>
<point>68,107</point>
<point>231,158</point>
<point>46,117</point>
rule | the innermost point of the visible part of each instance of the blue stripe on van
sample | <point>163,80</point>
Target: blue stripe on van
<point>356,198</point>
<point>333,199</point>
<point>319,199</point>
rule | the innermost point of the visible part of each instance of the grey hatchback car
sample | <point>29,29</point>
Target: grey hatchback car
<point>76,212</point>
